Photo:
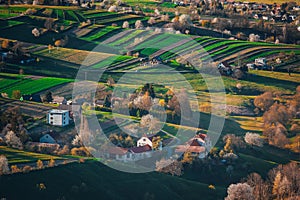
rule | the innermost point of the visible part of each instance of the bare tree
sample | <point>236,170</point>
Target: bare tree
<point>264,102</point>
<point>172,167</point>
<point>260,187</point>
<point>13,141</point>
<point>49,24</point>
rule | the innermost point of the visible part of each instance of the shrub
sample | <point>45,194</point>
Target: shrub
<point>15,169</point>
<point>212,187</point>
<point>81,151</point>
<point>39,164</point>
<point>51,163</point>
<point>26,169</point>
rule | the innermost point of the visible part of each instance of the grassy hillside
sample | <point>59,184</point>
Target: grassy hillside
<point>27,84</point>
<point>16,156</point>
<point>92,180</point>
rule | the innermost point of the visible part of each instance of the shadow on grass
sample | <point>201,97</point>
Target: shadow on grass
<point>284,84</point>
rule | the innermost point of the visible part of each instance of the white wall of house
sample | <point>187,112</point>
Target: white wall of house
<point>58,117</point>
<point>144,141</point>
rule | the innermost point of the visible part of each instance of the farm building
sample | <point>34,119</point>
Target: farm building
<point>197,146</point>
<point>260,61</point>
<point>73,109</point>
<point>47,139</point>
<point>59,100</point>
<point>141,151</point>
<point>58,117</point>
<point>144,141</point>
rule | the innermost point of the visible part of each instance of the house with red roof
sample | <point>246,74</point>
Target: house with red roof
<point>198,146</point>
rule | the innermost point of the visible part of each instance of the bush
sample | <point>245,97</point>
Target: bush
<point>39,164</point>
<point>27,169</point>
<point>15,169</point>
<point>51,163</point>
<point>81,151</point>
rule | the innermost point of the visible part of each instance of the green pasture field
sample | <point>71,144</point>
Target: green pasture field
<point>104,31</point>
<point>9,23</point>
<point>29,85</point>
<point>16,156</point>
<point>111,61</point>
<point>99,180</point>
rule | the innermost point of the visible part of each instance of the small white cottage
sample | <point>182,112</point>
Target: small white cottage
<point>144,141</point>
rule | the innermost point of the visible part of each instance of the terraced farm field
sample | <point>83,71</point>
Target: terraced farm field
<point>74,56</point>
<point>6,12</point>
<point>9,23</point>
<point>98,35</point>
<point>28,84</point>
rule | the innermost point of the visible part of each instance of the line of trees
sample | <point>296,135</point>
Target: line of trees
<point>278,116</point>
<point>282,182</point>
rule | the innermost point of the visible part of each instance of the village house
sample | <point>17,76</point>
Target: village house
<point>58,117</point>
<point>225,68</point>
<point>73,109</point>
<point>144,149</point>
<point>126,155</point>
<point>197,146</point>
<point>145,141</point>
<point>47,138</point>
<point>59,100</point>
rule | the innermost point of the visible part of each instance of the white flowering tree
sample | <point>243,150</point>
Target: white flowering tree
<point>125,24</point>
<point>254,38</point>
<point>156,11</point>
<point>230,156</point>
<point>4,169</point>
<point>165,18</point>
<point>254,139</point>
<point>13,141</point>
<point>185,20</point>
<point>35,32</point>
<point>112,8</point>
<point>138,24</point>
<point>151,21</point>
<point>77,141</point>
<point>240,191</point>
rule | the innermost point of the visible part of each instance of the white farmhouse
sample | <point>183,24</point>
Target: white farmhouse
<point>261,61</point>
<point>144,141</point>
<point>58,117</point>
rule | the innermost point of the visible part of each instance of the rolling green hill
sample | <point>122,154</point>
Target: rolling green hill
<point>93,180</point>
